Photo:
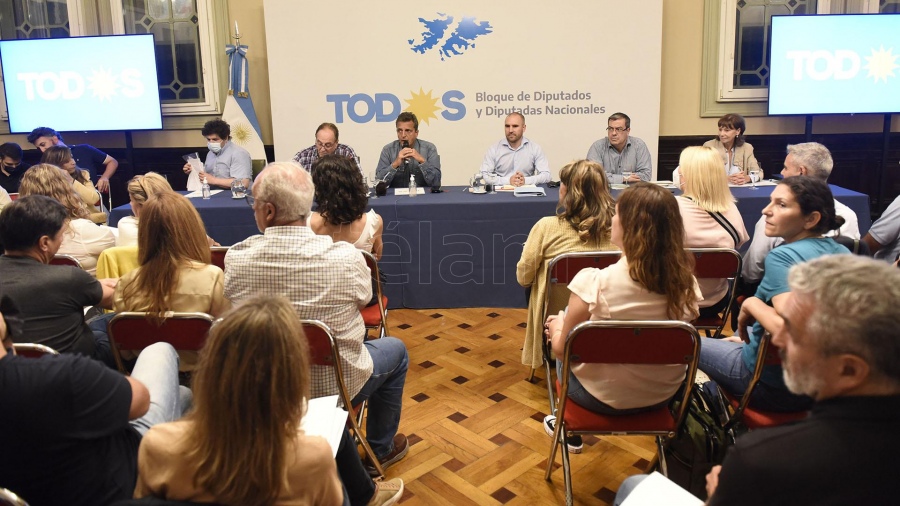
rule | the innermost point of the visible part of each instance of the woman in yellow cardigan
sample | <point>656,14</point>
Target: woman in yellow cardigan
<point>582,223</point>
<point>736,153</point>
<point>61,156</point>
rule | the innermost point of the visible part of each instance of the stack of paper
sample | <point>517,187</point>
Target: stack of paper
<point>323,418</point>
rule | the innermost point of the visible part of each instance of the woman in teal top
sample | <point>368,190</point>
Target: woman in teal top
<point>800,210</point>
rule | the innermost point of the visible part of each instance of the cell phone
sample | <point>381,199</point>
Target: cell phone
<point>553,184</point>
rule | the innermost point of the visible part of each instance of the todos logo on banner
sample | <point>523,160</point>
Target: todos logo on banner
<point>385,107</point>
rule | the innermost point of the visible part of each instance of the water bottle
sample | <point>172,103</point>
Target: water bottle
<point>205,190</point>
<point>412,185</point>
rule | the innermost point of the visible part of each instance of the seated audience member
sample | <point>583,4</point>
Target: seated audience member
<point>326,144</point>
<point>140,188</point>
<point>883,238</point>
<point>409,156</point>
<point>800,212</point>
<point>838,341</point>
<point>61,156</point>
<point>652,281</point>
<point>82,238</point>
<point>4,198</point>
<point>734,151</point>
<point>582,223</point>
<point>327,281</point>
<point>226,161</point>
<point>175,273</point>
<point>100,165</point>
<point>516,159</point>
<point>711,220</point>
<point>341,195</point>
<point>262,456</point>
<point>10,162</point>
<point>51,297</point>
<point>71,426</point>
<point>807,159</point>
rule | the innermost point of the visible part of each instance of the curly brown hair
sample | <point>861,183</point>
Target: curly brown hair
<point>587,206</point>
<point>51,181</point>
<point>340,190</point>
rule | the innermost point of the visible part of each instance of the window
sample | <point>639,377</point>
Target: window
<point>735,44</point>
<point>190,37</point>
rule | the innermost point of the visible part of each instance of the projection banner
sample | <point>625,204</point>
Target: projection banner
<point>461,67</point>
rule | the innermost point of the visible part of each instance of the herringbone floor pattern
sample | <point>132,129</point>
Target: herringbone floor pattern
<point>475,423</point>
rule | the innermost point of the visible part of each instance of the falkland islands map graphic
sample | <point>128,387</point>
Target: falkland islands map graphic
<point>460,39</point>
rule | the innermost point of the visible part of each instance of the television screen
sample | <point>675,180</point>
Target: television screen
<point>835,64</point>
<point>81,83</point>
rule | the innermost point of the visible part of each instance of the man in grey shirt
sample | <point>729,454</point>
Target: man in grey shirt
<point>409,156</point>
<point>516,159</point>
<point>226,160</point>
<point>619,152</point>
<point>883,238</point>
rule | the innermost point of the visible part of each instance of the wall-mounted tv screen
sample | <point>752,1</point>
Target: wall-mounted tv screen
<point>835,64</point>
<point>81,83</point>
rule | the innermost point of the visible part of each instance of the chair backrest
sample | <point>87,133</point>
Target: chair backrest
<point>33,350</point>
<point>711,263</point>
<point>856,246</point>
<point>217,255</point>
<point>664,342</point>
<point>563,268</point>
<point>65,260</point>
<point>13,196</point>
<point>372,264</point>
<point>323,351</point>
<point>134,331</point>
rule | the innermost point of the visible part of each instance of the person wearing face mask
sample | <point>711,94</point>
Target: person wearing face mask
<point>50,298</point>
<point>226,160</point>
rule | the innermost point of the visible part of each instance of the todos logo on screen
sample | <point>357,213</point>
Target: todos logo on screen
<point>842,64</point>
<point>102,84</point>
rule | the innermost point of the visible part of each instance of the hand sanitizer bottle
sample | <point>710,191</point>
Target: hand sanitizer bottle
<point>205,190</point>
<point>412,185</point>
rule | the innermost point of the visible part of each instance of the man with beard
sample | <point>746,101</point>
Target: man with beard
<point>516,160</point>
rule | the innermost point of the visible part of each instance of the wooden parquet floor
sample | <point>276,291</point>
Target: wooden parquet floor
<point>475,424</point>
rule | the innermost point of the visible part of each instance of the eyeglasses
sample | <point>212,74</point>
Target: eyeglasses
<point>250,199</point>
<point>328,145</point>
<point>615,129</point>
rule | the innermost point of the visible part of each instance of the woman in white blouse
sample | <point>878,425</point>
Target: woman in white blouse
<point>140,188</point>
<point>82,239</point>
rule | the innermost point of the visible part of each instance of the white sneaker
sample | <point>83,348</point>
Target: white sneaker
<point>574,443</point>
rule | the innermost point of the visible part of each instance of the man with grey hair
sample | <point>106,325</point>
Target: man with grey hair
<point>619,152</point>
<point>839,345</point>
<point>326,281</point>
<point>837,337</point>
<point>806,159</point>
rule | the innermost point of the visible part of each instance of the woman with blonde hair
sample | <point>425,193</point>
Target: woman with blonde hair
<point>242,444</point>
<point>582,223</point>
<point>82,239</point>
<point>652,281</point>
<point>733,150</point>
<point>140,188</point>
<point>175,272</point>
<point>61,156</point>
<point>711,219</point>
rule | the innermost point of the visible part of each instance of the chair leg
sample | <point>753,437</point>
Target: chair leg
<point>661,456</point>
<point>361,414</point>
<point>530,377</point>
<point>551,387</point>
<point>361,439</point>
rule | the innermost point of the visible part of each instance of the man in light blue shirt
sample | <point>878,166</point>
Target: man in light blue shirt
<point>517,160</point>
<point>618,153</point>
<point>226,160</point>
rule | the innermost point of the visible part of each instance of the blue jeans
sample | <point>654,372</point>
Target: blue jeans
<point>384,391</point>
<point>723,362</point>
<point>586,400</point>
<point>627,487</point>
<point>102,348</point>
<point>157,369</point>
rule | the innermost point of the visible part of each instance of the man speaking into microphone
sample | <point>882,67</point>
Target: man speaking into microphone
<point>409,156</point>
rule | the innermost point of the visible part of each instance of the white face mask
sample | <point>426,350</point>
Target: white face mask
<point>215,147</point>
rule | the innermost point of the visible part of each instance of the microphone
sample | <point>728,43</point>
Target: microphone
<point>404,145</point>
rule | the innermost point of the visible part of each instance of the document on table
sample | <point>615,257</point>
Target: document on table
<point>324,418</point>
<point>405,191</point>
<point>764,182</point>
<point>657,489</point>
<point>199,194</point>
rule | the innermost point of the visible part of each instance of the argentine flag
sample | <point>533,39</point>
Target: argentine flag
<point>239,113</point>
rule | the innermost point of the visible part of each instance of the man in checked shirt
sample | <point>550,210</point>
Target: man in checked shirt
<point>326,144</point>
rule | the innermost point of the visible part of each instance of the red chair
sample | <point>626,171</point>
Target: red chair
<point>134,331</point>
<point>217,255</point>
<point>625,342</point>
<point>65,260</point>
<point>33,350</point>
<point>323,351</point>
<point>716,263</point>
<point>560,272</point>
<point>752,418</point>
<point>13,196</point>
<point>375,316</point>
